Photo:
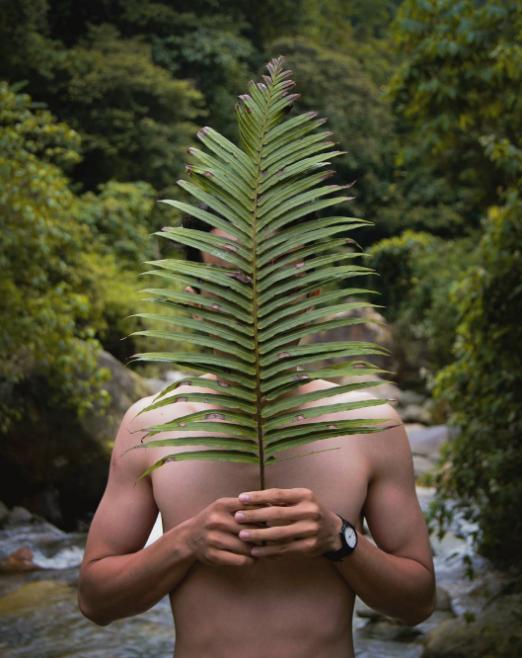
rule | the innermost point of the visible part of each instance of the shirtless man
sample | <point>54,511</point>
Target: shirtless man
<point>245,570</point>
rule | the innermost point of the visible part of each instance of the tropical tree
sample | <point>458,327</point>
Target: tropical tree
<point>264,195</point>
<point>481,466</point>
<point>47,320</point>
<point>457,91</point>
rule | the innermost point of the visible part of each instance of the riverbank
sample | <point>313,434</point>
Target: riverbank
<point>39,565</point>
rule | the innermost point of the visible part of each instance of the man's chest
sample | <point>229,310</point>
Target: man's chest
<point>337,472</point>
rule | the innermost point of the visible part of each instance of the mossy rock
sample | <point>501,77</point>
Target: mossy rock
<point>495,633</point>
<point>55,463</point>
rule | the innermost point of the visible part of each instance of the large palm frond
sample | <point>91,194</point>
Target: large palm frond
<point>252,311</point>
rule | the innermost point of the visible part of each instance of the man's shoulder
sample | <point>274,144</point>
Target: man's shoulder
<point>143,414</point>
<point>384,409</point>
<point>132,421</point>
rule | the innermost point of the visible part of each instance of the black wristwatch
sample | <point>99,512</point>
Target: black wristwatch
<point>348,536</point>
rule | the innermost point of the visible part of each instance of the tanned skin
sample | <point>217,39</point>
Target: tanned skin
<point>244,569</point>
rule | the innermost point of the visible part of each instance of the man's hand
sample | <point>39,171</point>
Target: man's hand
<point>296,523</point>
<point>214,532</point>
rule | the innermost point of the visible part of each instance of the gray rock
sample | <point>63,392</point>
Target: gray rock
<point>422,465</point>
<point>490,585</point>
<point>19,515</point>
<point>386,391</point>
<point>443,602</point>
<point>65,472</point>
<point>124,387</point>
<point>415,413</point>
<point>411,397</point>
<point>427,441</point>
<point>493,632</point>
<point>389,631</point>
<point>155,385</point>
<point>174,376</point>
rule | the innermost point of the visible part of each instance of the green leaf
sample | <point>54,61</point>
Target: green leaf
<point>227,333</point>
<point>200,340</point>
<point>294,401</point>
<point>210,218</point>
<point>232,392</point>
<point>282,420</point>
<point>226,402</point>
<point>253,305</point>
<point>222,248</point>
<point>232,443</point>
<point>203,455</point>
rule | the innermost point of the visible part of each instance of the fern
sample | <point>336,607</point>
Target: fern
<point>252,312</point>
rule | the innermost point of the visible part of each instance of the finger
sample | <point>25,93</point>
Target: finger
<point>227,542</point>
<point>222,520</point>
<point>283,533</point>
<point>273,515</point>
<point>229,504</point>
<point>227,559</point>
<point>234,504</point>
<point>276,496</point>
<point>300,546</point>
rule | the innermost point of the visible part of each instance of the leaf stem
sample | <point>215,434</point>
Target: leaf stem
<point>259,402</point>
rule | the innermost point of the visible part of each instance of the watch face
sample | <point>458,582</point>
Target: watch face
<point>350,536</point>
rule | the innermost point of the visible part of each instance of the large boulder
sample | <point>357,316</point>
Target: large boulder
<point>124,388</point>
<point>494,633</point>
<point>55,464</point>
<point>427,441</point>
<point>19,561</point>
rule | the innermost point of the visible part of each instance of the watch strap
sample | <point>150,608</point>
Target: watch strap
<point>345,549</point>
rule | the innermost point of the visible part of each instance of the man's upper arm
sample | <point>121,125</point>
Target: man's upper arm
<point>127,510</point>
<point>392,509</point>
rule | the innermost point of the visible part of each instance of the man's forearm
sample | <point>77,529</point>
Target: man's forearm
<point>399,587</point>
<point>118,586</point>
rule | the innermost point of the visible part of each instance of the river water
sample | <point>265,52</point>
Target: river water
<point>39,617</point>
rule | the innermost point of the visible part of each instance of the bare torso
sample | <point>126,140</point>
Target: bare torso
<point>284,607</point>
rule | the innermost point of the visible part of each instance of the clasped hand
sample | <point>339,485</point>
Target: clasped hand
<point>262,524</point>
<point>292,522</point>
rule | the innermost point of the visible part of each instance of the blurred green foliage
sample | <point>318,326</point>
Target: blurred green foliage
<point>457,96</point>
<point>417,272</point>
<point>44,308</point>
<point>483,389</point>
<point>68,274</point>
<point>120,214</point>
<point>457,91</point>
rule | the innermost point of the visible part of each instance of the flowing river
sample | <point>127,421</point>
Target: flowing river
<point>39,617</point>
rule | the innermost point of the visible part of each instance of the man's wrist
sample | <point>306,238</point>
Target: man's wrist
<point>335,543</point>
<point>183,543</point>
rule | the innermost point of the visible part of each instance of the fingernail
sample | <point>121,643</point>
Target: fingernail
<point>239,516</point>
<point>254,552</point>
<point>245,498</point>
<point>245,534</point>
